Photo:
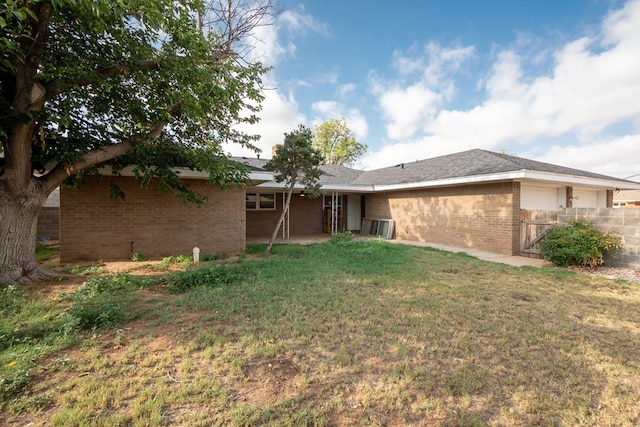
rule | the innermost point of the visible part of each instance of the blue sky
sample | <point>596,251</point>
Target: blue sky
<point>556,81</point>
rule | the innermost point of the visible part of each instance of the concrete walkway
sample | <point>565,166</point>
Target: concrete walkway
<point>514,260</point>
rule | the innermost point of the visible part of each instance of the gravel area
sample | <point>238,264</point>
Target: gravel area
<point>627,274</point>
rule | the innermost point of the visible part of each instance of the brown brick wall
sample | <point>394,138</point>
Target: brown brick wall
<point>305,216</point>
<point>484,217</point>
<point>95,227</point>
<point>48,223</point>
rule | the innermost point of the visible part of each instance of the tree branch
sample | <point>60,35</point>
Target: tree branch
<point>97,156</point>
<point>56,87</point>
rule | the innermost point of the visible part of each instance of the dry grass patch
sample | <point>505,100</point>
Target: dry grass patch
<point>362,333</point>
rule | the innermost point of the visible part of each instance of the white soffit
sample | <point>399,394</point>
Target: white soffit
<point>259,176</point>
<point>520,175</point>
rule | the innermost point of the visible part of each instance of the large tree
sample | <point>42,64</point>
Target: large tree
<point>88,83</point>
<point>337,142</point>
<point>295,162</point>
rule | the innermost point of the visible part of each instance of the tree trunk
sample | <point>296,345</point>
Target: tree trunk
<point>18,228</point>
<point>285,208</point>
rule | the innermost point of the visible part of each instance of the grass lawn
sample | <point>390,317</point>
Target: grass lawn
<point>336,334</point>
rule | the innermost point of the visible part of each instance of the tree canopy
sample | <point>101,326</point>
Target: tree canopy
<point>88,83</point>
<point>337,143</point>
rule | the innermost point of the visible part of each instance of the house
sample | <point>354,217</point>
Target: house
<point>626,199</point>
<point>470,199</point>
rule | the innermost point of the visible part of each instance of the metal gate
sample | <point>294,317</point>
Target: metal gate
<point>533,226</point>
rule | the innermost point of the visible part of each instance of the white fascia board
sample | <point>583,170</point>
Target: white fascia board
<point>189,174</point>
<point>451,181</point>
<point>345,188</point>
<point>349,188</point>
<point>581,180</point>
<point>521,175</point>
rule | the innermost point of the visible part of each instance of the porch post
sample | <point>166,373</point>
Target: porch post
<point>334,213</point>
<point>569,201</point>
<point>609,198</point>
<point>285,221</point>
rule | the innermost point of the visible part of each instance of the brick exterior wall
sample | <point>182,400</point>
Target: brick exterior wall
<point>49,223</point>
<point>305,216</point>
<point>623,222</point>
<point>94,227</point>
<point>484,217</point>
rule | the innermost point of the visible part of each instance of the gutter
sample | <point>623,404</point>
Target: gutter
<point>523,174</point>
<point>255,176</point>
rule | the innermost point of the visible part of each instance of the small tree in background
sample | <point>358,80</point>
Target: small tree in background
<point>337,143</point>
<point>295,162</point>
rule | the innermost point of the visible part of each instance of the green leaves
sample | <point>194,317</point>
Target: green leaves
<point>127,71</point>
<point>579,243</point>
<point>337,143</point>
<point>297,161</point>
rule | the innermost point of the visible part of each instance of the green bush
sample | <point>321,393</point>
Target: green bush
<point>140,257</point>
<point>11,297</point>
<point>207,275</point>
<point>579,243</point>
<point>341,238</point>
<point>103,302</point>
<point>11,385</point>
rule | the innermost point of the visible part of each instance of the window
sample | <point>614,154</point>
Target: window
<point>260,201</point>
<point>327,201</point>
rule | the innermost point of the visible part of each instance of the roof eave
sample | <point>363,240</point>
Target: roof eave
<point>254,176</point>
<point>605,184</point>
<point>522,174</point>
<point>345,188</point>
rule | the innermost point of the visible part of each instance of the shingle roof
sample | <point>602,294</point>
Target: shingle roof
<point>467,163</point>
<point>475,162</point>
<point>332,174</point>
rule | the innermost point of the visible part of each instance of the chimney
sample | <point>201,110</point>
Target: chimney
<point>274,150</point>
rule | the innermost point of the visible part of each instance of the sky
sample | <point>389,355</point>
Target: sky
<point>554,81</point>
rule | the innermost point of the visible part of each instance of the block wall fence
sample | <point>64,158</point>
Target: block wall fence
<point>49,223</point>
<point>624,222</point>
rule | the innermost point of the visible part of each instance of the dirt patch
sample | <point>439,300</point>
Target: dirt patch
<point>270,382</point>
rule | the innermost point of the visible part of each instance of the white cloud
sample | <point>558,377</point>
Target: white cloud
<point>331,110</point>
<point>345,89</point>
<point>277,41</point>
<point>422,85</point>
<point>617,157</point>
<point>407,109</point>
<point>280,114</point>
<point>593,87</point>
<point>280,111</point>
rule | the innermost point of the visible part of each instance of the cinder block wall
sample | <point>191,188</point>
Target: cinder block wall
<point>484,217</point>
<point>48,223</point>
<point>625,222</point>
<point>95,227</point>
<point>305,216</point>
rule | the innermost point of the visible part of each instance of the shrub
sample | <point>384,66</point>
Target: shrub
<point>11,297</point>
<point>342,237</point>
<point>11,385</point>
<point>207,275</point>
<point>102,302</point>
<point>139,257</point>
<point>579,243</point>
